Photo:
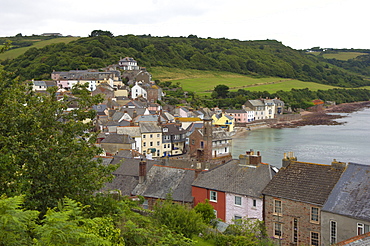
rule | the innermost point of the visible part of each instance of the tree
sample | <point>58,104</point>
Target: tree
<point>178,218</point>
<point>206,210</point>
<point>221,91</point>
<point>97,33</point>
<point>48,153</point>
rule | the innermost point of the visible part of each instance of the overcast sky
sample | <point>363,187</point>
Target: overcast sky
<point>299,24</point>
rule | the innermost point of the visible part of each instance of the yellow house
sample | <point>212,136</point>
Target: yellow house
<point>224,121</point>
<point>151,139</point>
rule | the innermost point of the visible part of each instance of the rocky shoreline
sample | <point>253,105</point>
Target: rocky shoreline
<point>323,116</point>
<point>319,116</point>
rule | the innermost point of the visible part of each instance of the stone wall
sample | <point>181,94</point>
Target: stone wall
<point>290,210</point>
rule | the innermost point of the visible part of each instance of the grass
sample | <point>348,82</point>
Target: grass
<point>11,54</point>
<point>344,56</point>
<point>203,82</point>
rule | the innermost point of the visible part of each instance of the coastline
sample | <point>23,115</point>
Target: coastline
<point>314,116</point>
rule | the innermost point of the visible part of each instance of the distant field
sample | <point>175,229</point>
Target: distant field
<point>344,56</point>
<point>11,54</point>
<point>203,82</point>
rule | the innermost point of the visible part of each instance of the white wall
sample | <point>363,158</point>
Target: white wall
<point>246,210</point>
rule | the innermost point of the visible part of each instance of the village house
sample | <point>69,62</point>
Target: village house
<point>66,80</point>
<point>128,63</point>
<point>134,133</point>
<point>294,198</point>
<point>239,115</point>
<point>160,181</point>
<point>346,213</point>
<point>208,144</point>
<point>151,137</point>
<point>234,188</point>
<point>113,142</point>
<point>258,108</point>
<point>224,121</point>
<point>42,86</point>
<point>173,139</point>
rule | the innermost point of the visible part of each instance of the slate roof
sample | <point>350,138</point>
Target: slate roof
<point>305,182</point>
<point>351,195</point>
<point>117,138</point>
<point>231,177</point>
<point>133,131</point>
<point>235,111</point>
<point>126,175</point>
<point>149,127</point>
<point>256,103</point>
<point>161,180</point>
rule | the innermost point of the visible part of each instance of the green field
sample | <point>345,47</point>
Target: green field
<point>11,54</point>
<point>344,56</point>
<point>203,82</point>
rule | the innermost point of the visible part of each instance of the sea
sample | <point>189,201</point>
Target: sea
<point>348,142</point>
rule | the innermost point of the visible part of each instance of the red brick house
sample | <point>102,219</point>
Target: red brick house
<point>293,200</point>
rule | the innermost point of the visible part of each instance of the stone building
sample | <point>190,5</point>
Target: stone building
<point>293,200</point>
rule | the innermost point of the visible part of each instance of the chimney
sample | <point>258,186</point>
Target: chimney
<point>338,165</point>
<point>197,172</point>
<point>250,158</point>
<point>288,159</point>
<point>142,171</point>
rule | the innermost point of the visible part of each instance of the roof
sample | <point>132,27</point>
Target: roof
<point>133,131</point>
<point>256,103</point>
<point>351,195</point>
<point>235,111</point>
<point>360,240</point>
<point>117,138</point>
<point>126,175</point>
<point>305,182</point>
<point>162,180</point>
<point>234,178</point>
<point>149,127</point>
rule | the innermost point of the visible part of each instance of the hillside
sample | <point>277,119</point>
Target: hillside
<point>203,82</point>
<point>20,47</point>
<point>265,58</point>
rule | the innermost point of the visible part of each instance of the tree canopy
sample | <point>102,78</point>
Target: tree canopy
<point>47,150</point>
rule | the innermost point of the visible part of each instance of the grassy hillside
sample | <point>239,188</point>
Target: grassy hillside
<point>343,56</point>
<point>203,82</point>
<point>13,53</point>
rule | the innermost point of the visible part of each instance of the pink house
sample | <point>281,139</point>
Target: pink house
<point>240,115</point>
<point>234,189</point>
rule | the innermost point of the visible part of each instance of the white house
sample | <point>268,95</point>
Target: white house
<point>138,91</point>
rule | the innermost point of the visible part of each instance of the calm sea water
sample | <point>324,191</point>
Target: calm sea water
<point>349,142</point>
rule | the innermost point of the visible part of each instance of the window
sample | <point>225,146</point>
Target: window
<point>254,203</point>
<point>192,141</point>
<point>157,143</point>
<point>144,144</point>
<point>151,143</point>
<point>314,238</point>
<point>314,215</point>
<point>151,135</point>
<point>237,219</point>
<point>295,230</point>
<point>277,207</point>
<point>164,146</point>
<point>277,230</point>
<point>158,135</point>
<point>360,228</point>
<point>144,136</point>
<point>333,232</point>
<point>213,196</point>
<point>238,200</point>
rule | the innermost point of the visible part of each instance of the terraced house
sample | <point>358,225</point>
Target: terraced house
<point>294,198</point>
